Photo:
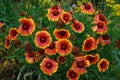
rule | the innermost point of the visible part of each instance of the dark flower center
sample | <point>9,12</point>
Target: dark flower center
<point>52,45</point>
<point>80,64</point>
<point>91,58</point>
<point>63,46</point>
<point>77,26</point>
<point>41,51</point>
<point>55,8</point>
<point>87,6</point>
<point>25,26</point>
<point>88,44</point>
<point>66,17</point>
<point>105,37</point>
<point>48,65</point>
<point>62,33</point>
<point>42,39</point>
<point>62,59</point>
<point>55,12</point>
<point>100,25</point>
<point>72,74</point>
<point>14,33</point>
<point>103,65</point>
<point>101,17</point>
<point>7,42</point>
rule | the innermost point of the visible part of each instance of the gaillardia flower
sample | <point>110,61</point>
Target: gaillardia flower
<point>27,26</point>
<point>76,51</point>
<point>63,47</point>
<point>7,42</point>
<point>13,33</point>
<point>103,65</point>
<point>42,39</point>
<point>100,17</point>
<point>87,8</point>
<point>104,40</point>
<point>48,66</point>
<point>72,75</point>
<point>61,34</point>
<point>89,44</point>
<point>29,57</point>
<point>61,59</point>
<point>51,49</point>
<point>100,28</point>
<point>118,44</point>
<point>80,64</point>
<point>93,59</point>
<point>78,26</point>
<point>66,17</point>
<point>1,24</point>
<point>54,13</point>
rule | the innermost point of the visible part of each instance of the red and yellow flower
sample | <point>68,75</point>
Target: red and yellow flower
<point>78,26</point>
<point>100,28</point>
<point>1,24</point>
<point>51,50</point>
<point>72,75</point>
<point>29,57</point>
<point>48,66</point>
<point>54,13</point>
<point>103,65</point>
<point>87,8</point>
<point>89,44</point>
<point>13,33</point>
<point>61,59</point>
<point>63,47</point>
<point>7,42</point>
<point>99,17</point>
<point>79,65</point>
<point>93,59</point>
<point>66,17</point>
<point>104,40</point>
<point>61,34</point>
<point>27,26</point>
<point>42,39</point>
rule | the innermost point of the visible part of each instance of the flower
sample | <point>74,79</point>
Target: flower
<point>78,26</point>
<point>1,24</point>
<point>103,65</point>
<point>72,37</point>
<point>66,17</point>
<point>118,43</point>
<point>63,47</point>
<point>27,26</point>
<point>60,23</point>
<point>54,13</point>
<point>42,39</point>
<point>28,47</point>
<point>48,66</point>
<point>104,40</point>
<point>61,34</point>
<point>99,17</point>
<point>76,51</point>
<point>13,33</point>
<point>37,56</point>
<point>87,8</point>
<point>93,59</point>
<point>61,59</point>
<point>72,75</point>
<point>51,49</point>
<point>7,42</point>
<point>79,65</point>
<point>29,57</point>
<point>100,28</point>
<point>89,44</point>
